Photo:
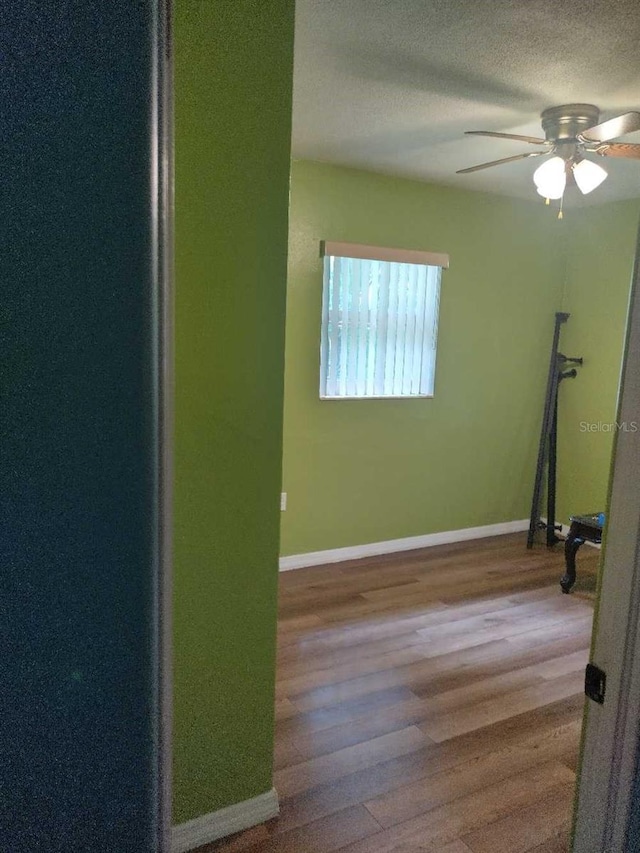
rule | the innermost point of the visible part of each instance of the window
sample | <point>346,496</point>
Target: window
<point>379,321</point>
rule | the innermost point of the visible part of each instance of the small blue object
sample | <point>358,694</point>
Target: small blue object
<point>601,518</point>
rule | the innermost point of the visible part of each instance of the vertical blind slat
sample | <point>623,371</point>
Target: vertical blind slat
<point>392,330</point>
<point>372,304</point>
<point>415,284</point>
<point>364,273</point>
<point>344,326</point>
<point>426,344</point>
<point>401,326</point>
<point>382,312</point>
<point>418,339</point>
<point>430,326</point>
<point>351,295</point>
<point>334,338</point>
<point>325,329</point>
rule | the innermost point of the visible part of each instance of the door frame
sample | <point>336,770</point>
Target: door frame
<point>161,185</point>
<point>607,779</point>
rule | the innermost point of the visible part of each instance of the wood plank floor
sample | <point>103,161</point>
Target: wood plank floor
<point>428,701</point>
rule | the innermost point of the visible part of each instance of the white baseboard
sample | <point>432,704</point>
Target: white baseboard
<point>210,827</point>
<point>410,543</point>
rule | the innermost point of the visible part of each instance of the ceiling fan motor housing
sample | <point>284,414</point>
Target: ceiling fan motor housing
<point>566,123</point>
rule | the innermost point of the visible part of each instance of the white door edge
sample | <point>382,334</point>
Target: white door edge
<point>610,738</point>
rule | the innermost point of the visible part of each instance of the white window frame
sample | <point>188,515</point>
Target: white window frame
<point>334,388</point>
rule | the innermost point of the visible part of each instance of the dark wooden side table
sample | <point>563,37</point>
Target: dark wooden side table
<point>584,528</point>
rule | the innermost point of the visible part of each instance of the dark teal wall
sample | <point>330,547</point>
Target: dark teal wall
<point>77,430</point>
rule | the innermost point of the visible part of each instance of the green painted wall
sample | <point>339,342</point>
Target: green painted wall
<point>233,71</point>
<point>365,471</point>
<point>600,251</point>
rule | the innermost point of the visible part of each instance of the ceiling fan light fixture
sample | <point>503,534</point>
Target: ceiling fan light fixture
<point>548,193</point>
<point>588,175</point>
<point>550,178</point>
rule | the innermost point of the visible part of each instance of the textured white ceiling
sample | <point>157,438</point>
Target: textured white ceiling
<point>391,85</point>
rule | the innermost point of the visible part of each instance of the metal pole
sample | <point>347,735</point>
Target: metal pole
<point>551,476</point>
<point>552,387</point>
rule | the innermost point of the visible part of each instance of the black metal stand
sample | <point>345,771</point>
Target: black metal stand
<point>584,528</point>
<point>547,450</point>
<point>551,476</point>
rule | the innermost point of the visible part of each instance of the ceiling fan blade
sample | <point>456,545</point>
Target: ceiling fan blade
<point>499,162</point>
<point>534,140</point>
<point>619,149</point>
<point>618,126</point>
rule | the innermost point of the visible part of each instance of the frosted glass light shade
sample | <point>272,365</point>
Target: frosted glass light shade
<point>588,175</point>
<point>549,193</point>
<point>550,178</point>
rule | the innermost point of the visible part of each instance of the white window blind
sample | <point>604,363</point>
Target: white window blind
<point>379,325</point>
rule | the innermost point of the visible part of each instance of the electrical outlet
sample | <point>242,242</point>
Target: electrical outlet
<point>283,501</point>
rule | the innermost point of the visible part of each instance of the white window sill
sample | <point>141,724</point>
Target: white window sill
<point>383,397</point>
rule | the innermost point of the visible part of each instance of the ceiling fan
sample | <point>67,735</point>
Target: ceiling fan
<point>571,132</point>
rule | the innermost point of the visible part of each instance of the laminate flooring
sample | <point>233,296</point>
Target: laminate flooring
<point>429,700</point>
